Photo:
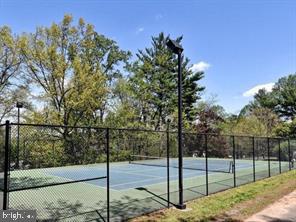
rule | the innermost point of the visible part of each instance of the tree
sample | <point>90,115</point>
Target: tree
<point>73,66</point>
<point>112,60</point>
<point>280,102</point>
<point>10,62</point>
<point>284,93</point>
<point>209,117</point>
<point>155,87</point>
<point>124,112</point>
<point>282,98</point>
<point>286,129</point>
<point>247,125</point>
<point>9,57</point>
<point>265,116</point>
<point>74,69</point>
<point>268,118</point>
<point>8,101</point>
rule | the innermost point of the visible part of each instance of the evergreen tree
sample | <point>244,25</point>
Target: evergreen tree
<point>281,100</point>
<point>154,83</point>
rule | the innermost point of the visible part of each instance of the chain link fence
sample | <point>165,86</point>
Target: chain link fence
<point>104,174</point>
<point>2,164</point>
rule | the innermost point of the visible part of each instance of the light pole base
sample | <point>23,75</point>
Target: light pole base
<point>181,207</point>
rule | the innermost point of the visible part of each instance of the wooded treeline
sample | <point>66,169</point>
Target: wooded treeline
<point>68,74</point>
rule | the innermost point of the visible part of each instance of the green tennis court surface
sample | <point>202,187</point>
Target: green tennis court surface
<point>135,188</point>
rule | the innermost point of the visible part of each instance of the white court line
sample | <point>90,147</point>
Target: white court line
<point>164,167</point>
<point>143,170</point>
<point>155,168</point>
<point>165,177</point>
<point>165,182</point>
<point>67,179</point>
<point>132,173</point>
<point>196,174</point>
<point>117,185</point>
<point>153,180</point>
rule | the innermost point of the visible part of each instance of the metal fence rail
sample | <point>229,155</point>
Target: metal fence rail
<point>113,174</point>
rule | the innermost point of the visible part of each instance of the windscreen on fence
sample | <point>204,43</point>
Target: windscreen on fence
<point>59,171</point>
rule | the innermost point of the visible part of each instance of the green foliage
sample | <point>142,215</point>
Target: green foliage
<point>209,116</point>
<point>283,129</point>
<point>124,112</point>
<point>11,85</point>
<point>155,87</point>
<point>282,98</point>
<point>256,121</point>
<point>280,101</point>
<point>75,76</point>
<point>286,129</point>
<point>267,117</point>
<point>284,93</point>
<point>9,58</point>
<point>8,99</point>
<point>74,67</point>
<point>244,126</point>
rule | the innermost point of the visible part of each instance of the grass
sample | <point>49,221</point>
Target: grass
<point>232,205</point>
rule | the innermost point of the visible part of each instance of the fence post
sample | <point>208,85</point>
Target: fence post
<point>6,165</point>
<point>268,155</point>
<point>108,172</point>
<point>168,162</point>
<point>207,170</point>
<point>233,150</point>
<point>254,169</point>
<point>289,154</point>
<point>280,165</point>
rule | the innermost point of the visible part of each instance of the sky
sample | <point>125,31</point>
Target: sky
<point>241,45</point>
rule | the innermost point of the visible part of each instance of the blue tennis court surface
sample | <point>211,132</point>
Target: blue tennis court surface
<point>126,176</point>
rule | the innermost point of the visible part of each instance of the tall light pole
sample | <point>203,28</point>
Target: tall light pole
<point>19,105</point>
<point>177,49</point>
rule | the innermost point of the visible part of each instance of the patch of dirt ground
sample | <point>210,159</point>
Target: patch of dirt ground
<point>282,210</point>
<point>243,211</point>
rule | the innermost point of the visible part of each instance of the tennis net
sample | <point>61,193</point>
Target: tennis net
<point>190,163</point>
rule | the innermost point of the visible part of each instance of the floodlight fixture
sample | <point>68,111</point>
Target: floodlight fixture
<point>174,46</point>
<point>19,105</point>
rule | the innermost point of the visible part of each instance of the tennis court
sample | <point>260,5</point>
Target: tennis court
<point>72,180</point>
<point>141,182</point>
<point>124,175</point>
